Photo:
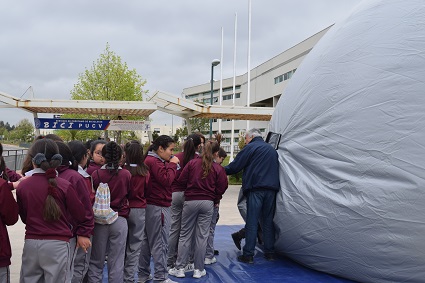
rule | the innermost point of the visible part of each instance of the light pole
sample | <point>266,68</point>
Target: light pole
<point>214,63</point>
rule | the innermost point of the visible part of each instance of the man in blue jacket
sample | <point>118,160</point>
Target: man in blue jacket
<point>260,183</point>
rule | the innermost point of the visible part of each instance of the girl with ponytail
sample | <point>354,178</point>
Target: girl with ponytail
<point>205,182</point>
<point>45,204</point>
<point>134,163</point>
<point>191,148</point>
<point>162,168</point>
<point>80,242</point>
<point>110,239</point>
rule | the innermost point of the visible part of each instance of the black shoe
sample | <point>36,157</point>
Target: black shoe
<point>237,239</point>
<point>216,252</point>
<point>270,256</point>
<point>246,259</point>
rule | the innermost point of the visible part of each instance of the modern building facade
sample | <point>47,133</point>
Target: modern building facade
<point>268,81</point>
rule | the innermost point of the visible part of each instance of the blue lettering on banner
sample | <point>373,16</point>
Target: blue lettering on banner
<point>75,124</point>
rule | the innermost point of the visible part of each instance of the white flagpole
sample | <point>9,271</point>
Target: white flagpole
<point>232,135</point>
<point>221,76</point>
<point>248,94</point>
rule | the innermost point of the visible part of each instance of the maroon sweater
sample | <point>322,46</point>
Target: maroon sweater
<point>119,186</point>
<point>8,216</point>
<point>136,196</point>
<point>31,194</point>
<point>86,227</point>
<point>176,186</point>
<point>13,176</point>
<point>210,188</point>
<point>162,175</point>
<point>92,167</point>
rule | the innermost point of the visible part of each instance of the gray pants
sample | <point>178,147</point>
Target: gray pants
<point>72,254</point>
<point>45,261</point>
<point>155,243</point>
<point>176,218</point>
<point>81,264</point>
<point>210,244</point>
<point>111,240</point>
<point>196,221</point>
<point>4,274</point>
<point>136,229</point>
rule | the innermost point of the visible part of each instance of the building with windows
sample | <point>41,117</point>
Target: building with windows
<point>268,81</point>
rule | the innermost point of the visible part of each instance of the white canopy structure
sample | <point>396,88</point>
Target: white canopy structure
<point>159,102</point>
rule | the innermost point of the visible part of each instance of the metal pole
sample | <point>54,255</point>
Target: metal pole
<point>212,93</point>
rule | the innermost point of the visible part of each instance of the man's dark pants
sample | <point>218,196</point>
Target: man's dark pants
<point>260,204</point>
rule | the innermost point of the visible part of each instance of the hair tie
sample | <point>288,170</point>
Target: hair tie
<point>51,173</point>
<point>57,156</point>
<point>133,165</point>
<point>39,158</point>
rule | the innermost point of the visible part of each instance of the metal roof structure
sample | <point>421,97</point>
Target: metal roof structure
<point>88,107</point>
<point>186,108</point>
<point>160,101</point>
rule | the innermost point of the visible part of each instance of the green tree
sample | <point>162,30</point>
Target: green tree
<point>199,124</point>
<point>109,79</point>
<point>24,131</point>
<point>155,135</point>
<point>181,133</point>
<point>80,135</point>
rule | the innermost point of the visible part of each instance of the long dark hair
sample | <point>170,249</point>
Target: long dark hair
<point>189,148</point>
<point>68,158</point>
<point>134,159</point>
<point>45,155</point>
<point>210,148</point>
<point>79,150</point>
<point>112,153</point>
<point>163,141</point>
<point>94,144</point>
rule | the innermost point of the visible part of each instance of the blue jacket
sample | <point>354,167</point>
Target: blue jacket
<point>259,160</point>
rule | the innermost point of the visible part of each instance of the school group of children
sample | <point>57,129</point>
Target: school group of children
<point>162,208</point>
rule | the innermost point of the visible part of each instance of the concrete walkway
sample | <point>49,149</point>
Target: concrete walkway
<point>229,215</point>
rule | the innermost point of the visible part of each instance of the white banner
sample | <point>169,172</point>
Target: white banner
<point>129,125</point>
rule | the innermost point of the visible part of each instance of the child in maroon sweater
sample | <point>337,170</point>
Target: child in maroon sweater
<point>45,204</point>
<point>97,160</point>
<point>162,168</point>
<point>111,238</point>
<point>191,149</point>
<point>8,216</point>
<point>80,243</point>
<point>206,182</point>
<point>134,163</point>
<point>82,258</point>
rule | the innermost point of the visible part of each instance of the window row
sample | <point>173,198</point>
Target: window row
<point>284,77</point>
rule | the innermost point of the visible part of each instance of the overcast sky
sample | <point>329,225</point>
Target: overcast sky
<point>47,44</point>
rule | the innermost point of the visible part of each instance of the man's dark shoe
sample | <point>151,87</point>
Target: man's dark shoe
<point>237,239</point>
<point>270,256</point>
<point>216,252</point>
<point>246,259</point>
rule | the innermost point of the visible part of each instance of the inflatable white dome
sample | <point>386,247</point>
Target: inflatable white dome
<point>352,151</point>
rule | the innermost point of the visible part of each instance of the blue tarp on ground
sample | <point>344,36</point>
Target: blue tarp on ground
<point>228,269</point>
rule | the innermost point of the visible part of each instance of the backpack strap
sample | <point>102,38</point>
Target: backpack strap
<point>97,171</point>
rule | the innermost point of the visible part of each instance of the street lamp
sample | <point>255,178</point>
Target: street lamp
<point>214,63</point>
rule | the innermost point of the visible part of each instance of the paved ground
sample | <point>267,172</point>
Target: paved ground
<point>229,215</point>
